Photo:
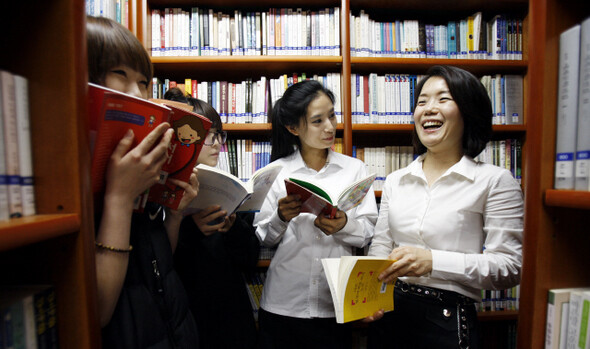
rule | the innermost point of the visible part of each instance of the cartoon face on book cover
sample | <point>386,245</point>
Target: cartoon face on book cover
<point>190,131</point>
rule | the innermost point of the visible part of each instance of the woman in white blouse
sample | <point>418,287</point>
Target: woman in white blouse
<point>453,225</point>
<point>296,306</point>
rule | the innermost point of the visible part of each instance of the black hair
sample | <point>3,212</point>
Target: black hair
<point>288,111</point>
<point>199,106</point>
<point>474,105</point>
<point>110,45</point>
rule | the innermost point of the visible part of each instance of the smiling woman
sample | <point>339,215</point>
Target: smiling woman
<point>437,215</point>
<point>296,309</point>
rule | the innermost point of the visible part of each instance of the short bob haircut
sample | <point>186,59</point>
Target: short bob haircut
<point>111,45</point>
<point>474,105</point>
<point>199,106</point>
<point>288,110</point>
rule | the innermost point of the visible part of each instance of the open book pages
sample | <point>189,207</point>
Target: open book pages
<point>217,187</point>
<point>356,291</point>
<point>317,200</point>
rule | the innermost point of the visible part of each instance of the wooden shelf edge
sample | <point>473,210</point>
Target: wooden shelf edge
<point>500,315</point>
<point>246,59</point>
<point>410,127</point>
<point>434,61</point>
<point>20,232</point>
<point>263,263</point>
<point>568,198</point>
<point>257,127</point>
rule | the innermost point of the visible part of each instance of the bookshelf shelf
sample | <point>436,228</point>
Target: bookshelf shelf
<point>236,68</point>
<point>263,263</point>
<point>256,128</point>
<point>410,65</point>
<point>501,315</point>
<point>568,198</point>
<point>20,232</point>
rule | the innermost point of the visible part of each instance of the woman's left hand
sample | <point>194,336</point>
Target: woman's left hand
<point>409,261</point>
<point>331,225</point>
<point>228,223</point>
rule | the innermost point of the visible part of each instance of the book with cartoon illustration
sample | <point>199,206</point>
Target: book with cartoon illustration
<point>217,187</point>
<point>190,131</point>
<point>355,289</point>
<point>316,200</point>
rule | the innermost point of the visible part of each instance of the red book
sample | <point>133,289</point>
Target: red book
<point>111,114</point>
<point>195,88</point>
<point>190,130</point>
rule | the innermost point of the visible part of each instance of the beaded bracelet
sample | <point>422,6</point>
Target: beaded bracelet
<point>113,249</point>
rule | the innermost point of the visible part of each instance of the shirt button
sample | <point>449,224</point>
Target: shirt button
<point>317,237</point>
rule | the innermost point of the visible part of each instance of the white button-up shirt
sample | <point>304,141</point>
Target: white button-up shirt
<point>295,284</point>
<point>471,219</point>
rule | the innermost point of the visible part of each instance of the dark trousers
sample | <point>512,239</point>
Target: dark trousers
<point>284,332</point>
<point>420,322</point>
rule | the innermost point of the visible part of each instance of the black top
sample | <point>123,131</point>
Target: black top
<point>212,269</point>
<point>152,309</point>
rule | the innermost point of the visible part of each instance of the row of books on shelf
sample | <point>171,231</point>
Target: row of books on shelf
<point>572,146</point>
<point>243,157</point>
<point>472,37</point>
<point>255,284</point>
<point>17,192</point>
<point>568,324</point>
<point>498,300</point>
<point>246,101</point>
<point>117,10</point>
<point>383,160</point>
<point>506,153</point>
<point>279,31</point>
<point>389,98</point>
<point>28,317</point>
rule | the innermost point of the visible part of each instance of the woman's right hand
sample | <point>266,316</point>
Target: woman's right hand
<point>289,207</point>
<point>131,172</point>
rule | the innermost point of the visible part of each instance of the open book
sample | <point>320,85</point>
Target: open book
<point>112,114</point>
<point>356,291</point>
<point>217,187</point>
<point>190,131</point>
<point>316,200</point>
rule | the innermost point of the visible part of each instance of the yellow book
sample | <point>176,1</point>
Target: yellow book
<point>188,87</point>
<point>356,291</point>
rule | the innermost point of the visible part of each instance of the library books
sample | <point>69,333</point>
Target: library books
<point>469,37</point>
<point>556,327</point>
<point>316,200</point>
<point>17,194</point>
<point>217,187</point>
<point>356,291</point>
<point>578,320</point>
<point>278,31</point>
<point>28,316</point>
<point>582,161</point>
<point>567,106</point>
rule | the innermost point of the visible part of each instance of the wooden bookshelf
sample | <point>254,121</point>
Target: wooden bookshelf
<point>45,41</point>
<point>568,198</point>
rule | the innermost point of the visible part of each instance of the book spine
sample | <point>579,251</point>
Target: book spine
<point>569,49</point>
<point>15,205</point>
<point>24,146</point>
<point>582,162</point>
